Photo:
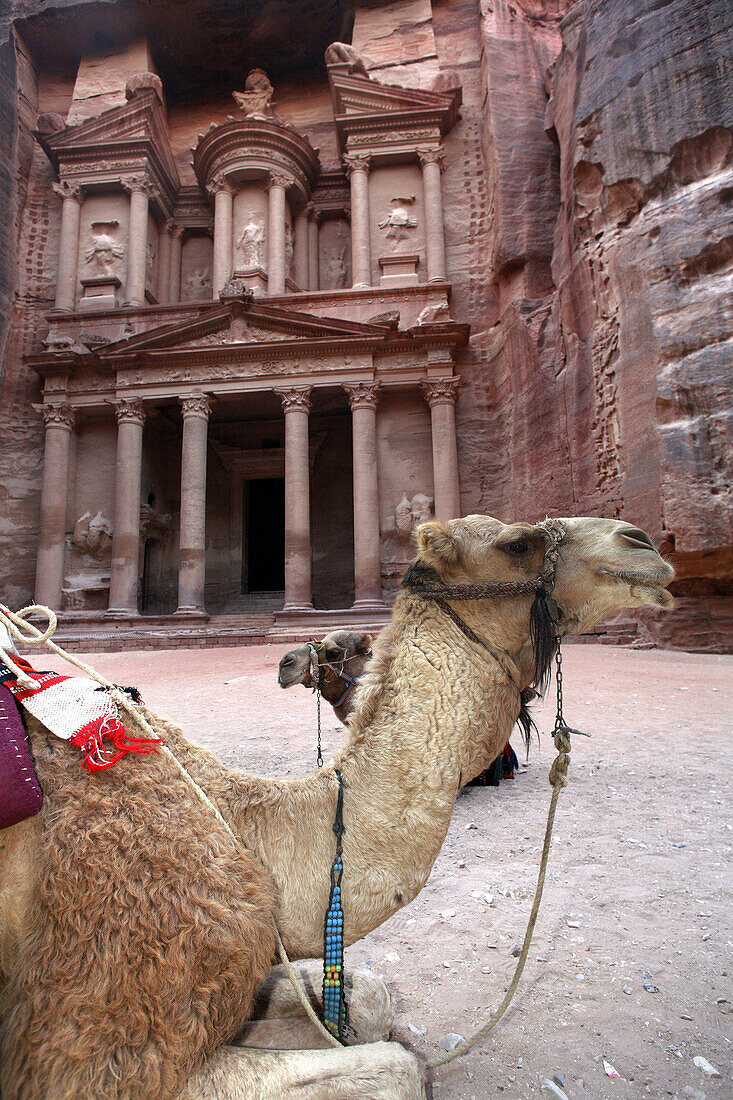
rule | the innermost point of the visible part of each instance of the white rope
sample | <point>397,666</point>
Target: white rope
<point>16,623</point>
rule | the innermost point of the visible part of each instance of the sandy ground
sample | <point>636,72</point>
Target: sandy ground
<point>638,891</point>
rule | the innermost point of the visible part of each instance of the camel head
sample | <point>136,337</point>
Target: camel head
<point>603,565</point>
<point>348,648</point>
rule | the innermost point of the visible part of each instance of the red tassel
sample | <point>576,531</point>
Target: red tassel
<point>96,757</point>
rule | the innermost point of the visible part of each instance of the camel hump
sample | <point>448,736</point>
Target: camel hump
<point>147,933</point>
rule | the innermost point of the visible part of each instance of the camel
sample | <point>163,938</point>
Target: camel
<point>343,655</point>
<point>135,934</point>
<point>340,652</point>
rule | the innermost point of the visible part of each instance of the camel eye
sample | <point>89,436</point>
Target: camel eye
<point>517,547</point>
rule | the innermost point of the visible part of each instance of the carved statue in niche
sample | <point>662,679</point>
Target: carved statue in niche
<point>93,535</point>
<point>251,244</point>
<point>104,251</point>
<point>399,222</point>
<point>288,249</point>
<point>256,100</point>
<point>197,285</point>
<point>334,270</point>
<point>409,514</point>
<point>149,263</point>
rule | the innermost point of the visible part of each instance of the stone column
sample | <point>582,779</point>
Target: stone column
<point>175,273</point>
<point>123,585</point>
<point>296,405</point>
<point>137,250</point>
<point>164,263</point>
<point>192,556</point>
<point>357,169</point>
<point>223,193</point>
<point>441,394</point>
<point>363,398</point>
<point>431,161</point>
<point>71,199</point>
<point>59,422</point>
<point>277,187</point>
<point>314,279</point>
<point>300,251</point>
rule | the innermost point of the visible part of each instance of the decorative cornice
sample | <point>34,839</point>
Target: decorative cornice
<point>198,405</point>
<point>356,162</point>
<point>295,398</point>
<point>66,190</point>
<point>129,410</point>
<point>441,391</point>
<point>432,156</point>
<point>61,415</point>
<point>363,395</point>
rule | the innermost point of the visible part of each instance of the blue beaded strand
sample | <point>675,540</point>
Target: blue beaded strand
<point>335,1010</point>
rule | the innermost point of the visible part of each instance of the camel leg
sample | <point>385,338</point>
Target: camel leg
<point>376,1071</point>
<point>279,1022</point>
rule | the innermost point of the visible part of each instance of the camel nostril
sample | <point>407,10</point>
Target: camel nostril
<point>287,662</point>
<point>638,539</point>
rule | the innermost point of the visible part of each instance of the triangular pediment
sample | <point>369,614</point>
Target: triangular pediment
<point>357,96</point>
<point>242,322</point>
<point>140,120</point>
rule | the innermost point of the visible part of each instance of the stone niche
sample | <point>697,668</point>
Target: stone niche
<point>334,254</point>
<point>196,264</point>
<point>397,225</point>
<point>102,261</point>
<point>249,235</point>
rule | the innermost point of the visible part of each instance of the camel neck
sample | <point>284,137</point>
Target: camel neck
<point>434,711</point>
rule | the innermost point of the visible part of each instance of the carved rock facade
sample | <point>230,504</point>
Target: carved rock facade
<point>555,177</point>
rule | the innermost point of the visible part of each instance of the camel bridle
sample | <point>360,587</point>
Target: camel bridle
<point>545,614</point>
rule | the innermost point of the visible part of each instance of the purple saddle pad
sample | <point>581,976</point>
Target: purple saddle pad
<point>20,791</point>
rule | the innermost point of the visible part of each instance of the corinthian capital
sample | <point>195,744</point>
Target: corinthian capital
<point>218,183</point>
<point>142,184</point>
<point>363,395</point>
<point>129,410</point>
<point>66,190</point>
<point>432,156</point>
<point>57,415</point>
<point>295,397</point>
<point>196,405</point>
<point>356,162</point>
<point>441,391</point>
<point>275,179</point>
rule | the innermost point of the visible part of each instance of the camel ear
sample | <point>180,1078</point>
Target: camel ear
<point>437,545</point>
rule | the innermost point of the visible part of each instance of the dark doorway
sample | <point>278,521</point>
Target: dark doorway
<point>264,527</point>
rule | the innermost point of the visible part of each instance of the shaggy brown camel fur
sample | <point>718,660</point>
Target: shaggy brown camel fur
<point>341,651</point>
<point>134,932</point>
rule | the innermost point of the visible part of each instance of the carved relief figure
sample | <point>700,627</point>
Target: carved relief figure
<point>150,264</point>
<point>251,244</point>
<point>104,251</point>
<point>288,249</point>
<point>409,514</point>
<point>93,535</point>
<point>399,221</point>
<point>335,269</point>
<point>256,100</point>
<point>197,285</point>
<point>339,53</point>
